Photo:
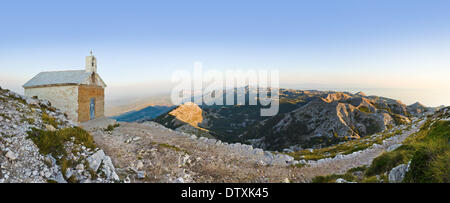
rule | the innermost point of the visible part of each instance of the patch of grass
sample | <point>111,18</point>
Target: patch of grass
<point>50,120</point>
<point>72,179</point>
<point>299,165</point>
<point>17,99</point>
<point>370,179</point>
<point>111,127</point>
<point>342,148</point>
<point>431,162</point>
<point>428,150</point>
<point>52,142</point>
<point>65,164</point>
<point>175,148</point>
<point>27,120</point>
<point>359,168</point>
<point>352,177</point>
<point>5,116</point>
<point>387,161</point>
<point>91,172</point>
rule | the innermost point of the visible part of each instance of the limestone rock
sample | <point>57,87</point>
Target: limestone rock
<point>10,155</point>
<point>50,128</point>
<point>397,174</point>
<point>179,180</point>
<point>96,159</point>
<point>139,165</point>
<point>393,147</point>
<point>340,180</point>
<point>141,174</point>
<point>100,158</point>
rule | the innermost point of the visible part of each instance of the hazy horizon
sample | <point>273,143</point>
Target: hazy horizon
<point>395,49</point>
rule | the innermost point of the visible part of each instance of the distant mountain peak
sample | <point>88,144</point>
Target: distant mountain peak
<point>418,104</point>
<point>188,112</point>
<point>360,93</point>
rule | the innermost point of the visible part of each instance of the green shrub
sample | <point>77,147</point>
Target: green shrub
<point>27,120</point>
<point>111,127</point>
<point>398,120</point>
<point>175,148</point>
<point>419,171</point>
<point>52,142</point>
<point>387,161</point>
<point>440,167</point>
<point>370,179</point>
<point>359,168</point>
<point>47,119</point>
<point>428,150</point>
<point>5,116</point>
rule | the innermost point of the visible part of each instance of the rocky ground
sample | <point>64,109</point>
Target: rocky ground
<point>23,161</point>
<point>342,163</point>
<point>150,152</point>
<point>145,152</point>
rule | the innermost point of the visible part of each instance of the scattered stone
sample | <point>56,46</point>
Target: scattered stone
<point>80,167</point>
<point>139,165</point>
<point>397,174</point>
<point>140,174</point>
<point>179,180</point>
<point>340,180</point>
<point>10,155</point>
<point>50,127</point>
<point>108,169</point>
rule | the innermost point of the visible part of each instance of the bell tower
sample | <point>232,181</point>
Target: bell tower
<point>91,63</point>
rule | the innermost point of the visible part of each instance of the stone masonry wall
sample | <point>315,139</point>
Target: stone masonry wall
<point>64,98</point>
<point>85,93</point>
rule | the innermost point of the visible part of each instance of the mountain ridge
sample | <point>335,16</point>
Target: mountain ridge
<point>305,118</point>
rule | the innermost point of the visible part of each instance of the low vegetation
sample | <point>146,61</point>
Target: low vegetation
<point>111,127</point>
<point>342,148</point>
<point>172,147</point>
<point>52,142</point>
<point>428,150</point>
<point>49,120</point>
<point>431,161</point>
<point>429,153</point>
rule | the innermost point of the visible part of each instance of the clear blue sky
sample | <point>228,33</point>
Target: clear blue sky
<point>395,48</point>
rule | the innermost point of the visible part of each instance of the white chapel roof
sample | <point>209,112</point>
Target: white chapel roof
<point>71,77</point>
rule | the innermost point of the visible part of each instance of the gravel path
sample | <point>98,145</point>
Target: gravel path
<point>341,164</point>
<point>164,155</point>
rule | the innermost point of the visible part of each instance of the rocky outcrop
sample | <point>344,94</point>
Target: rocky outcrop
<point>397,174</point>
<point>98,159</point>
